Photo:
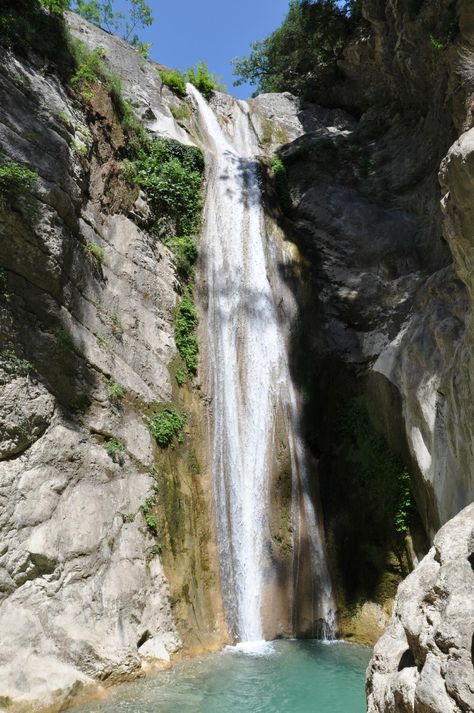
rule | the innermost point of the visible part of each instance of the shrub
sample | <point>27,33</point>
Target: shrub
<point>185,333</point>
<point>115,390</point>
<point>180,376</point>
<point>185,254</point>
<point>15,179</point>
<point>128,516</point>
<point>167,425</point>
<point>157,549</point>
<point>205,81</point>
<point>95,252</point>
<point>114,449</point>
<point>171,175</point>
<point>150,519</point>
<point>175,80</point>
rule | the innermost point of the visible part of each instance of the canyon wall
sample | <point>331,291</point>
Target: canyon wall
<point>90,590</point>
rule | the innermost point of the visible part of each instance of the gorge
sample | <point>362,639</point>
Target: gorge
<point>236,375</point>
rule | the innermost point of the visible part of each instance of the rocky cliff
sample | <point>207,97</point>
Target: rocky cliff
<point>381,340</point>
<point>91,588</point>
<point>424,661</point>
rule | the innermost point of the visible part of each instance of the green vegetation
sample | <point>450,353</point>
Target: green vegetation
<point>302,54</point>
<point>114,449</point>
<point>11,365</point>
<point>205,81</point>
<point>15,178</point>
<point>185,253</point>
<point>157,549</point>
<point>185,333</point>
<point>437,44</point>
<point>128,516</point>
<point>36,27</point>
<point>115,391</point>
<point>90,70</point>
<point>150,519</point>
<point>95,253</point>
<point>171,175</point>
<point>181,112</point>
<point>181,376</point>
<point>175,80</point>
<point>102,14</point>
<point>64,339</point>
<point>380,473</point>
<point>281,183</point>
<point>166,426</point>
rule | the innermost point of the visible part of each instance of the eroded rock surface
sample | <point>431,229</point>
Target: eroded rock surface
<point>83,593</point>
<point>423,663</point>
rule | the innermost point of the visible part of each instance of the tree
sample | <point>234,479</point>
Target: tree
<point>302,53</point>
<point>102,14</point>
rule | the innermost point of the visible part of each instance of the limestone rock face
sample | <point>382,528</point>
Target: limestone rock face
<point>83,592</point>
<point>423,662</point>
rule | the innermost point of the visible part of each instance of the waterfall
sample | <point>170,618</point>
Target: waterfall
<point>248,376</point>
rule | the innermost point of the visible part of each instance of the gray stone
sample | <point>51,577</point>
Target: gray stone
<point>423,662</point>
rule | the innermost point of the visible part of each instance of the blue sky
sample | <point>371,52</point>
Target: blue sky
<point>186,31</point>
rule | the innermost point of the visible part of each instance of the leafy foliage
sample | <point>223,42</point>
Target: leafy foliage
<point>205,81</point>
<point>150,519</point>
<point>175,80</point>
<point>167,425</point>
<point>302,53</point>
<point>115,390</point>
<point>185,254</point>
<point>36,27</point>
<point>171,175</point>
<point>15,178</point>
<point>103,14</point>
<point>185,333</point>
<point>95,252</point>
<point>114,449</point>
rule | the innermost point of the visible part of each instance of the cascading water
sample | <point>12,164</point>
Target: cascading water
<point>249,376</point>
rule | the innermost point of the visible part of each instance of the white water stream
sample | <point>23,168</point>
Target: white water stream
<point>249,376</point>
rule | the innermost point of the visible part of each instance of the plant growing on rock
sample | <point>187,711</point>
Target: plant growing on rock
<point>115,391</point>
<point>185,333</point>
<point>115,450</point>
<point>95,253</point>
<point>174,80</point>
<point>150,518</point>
<point>15,179</point>
<point>171,176</point>
<point>205,81</point>
<point>166,426</point>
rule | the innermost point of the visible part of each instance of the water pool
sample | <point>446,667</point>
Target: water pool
<point>286,677</point>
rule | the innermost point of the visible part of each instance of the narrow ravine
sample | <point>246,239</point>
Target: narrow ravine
<point>249,379</point>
